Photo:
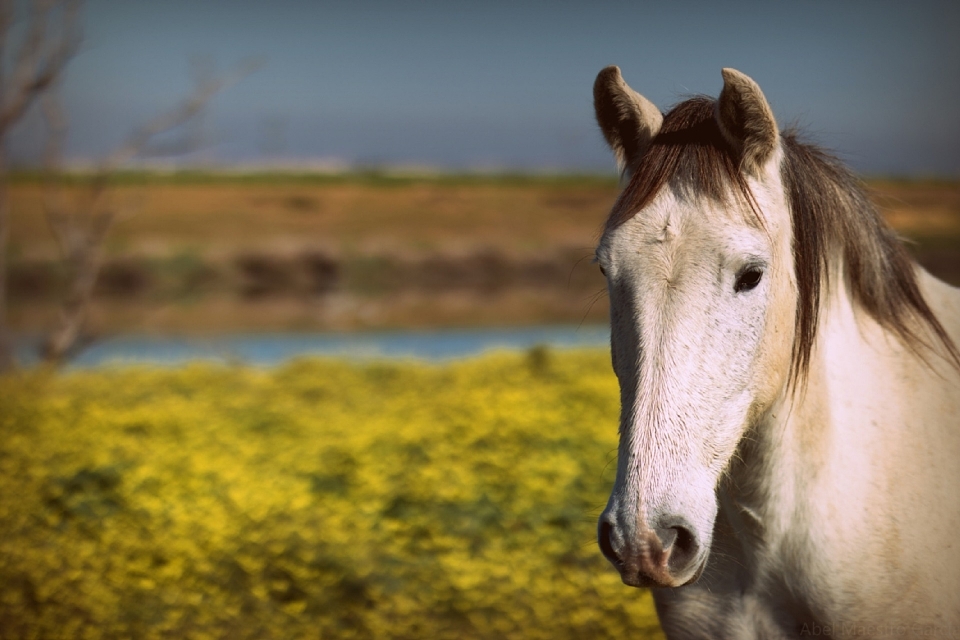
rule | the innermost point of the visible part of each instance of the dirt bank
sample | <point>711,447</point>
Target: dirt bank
<point>314,254</point>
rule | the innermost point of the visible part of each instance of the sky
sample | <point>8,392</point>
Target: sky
<point>462,86</point>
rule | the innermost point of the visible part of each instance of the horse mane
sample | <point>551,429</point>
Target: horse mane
<point>832,219</point>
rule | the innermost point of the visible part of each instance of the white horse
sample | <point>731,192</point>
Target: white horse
<point>789,459</point>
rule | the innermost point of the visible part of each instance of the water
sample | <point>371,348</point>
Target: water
<point>271,349</point>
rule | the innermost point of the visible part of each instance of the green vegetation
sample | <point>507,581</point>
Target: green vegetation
<point>320,499</point>
<point>367,178</point>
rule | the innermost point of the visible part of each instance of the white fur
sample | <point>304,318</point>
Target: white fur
<point>834,511</point>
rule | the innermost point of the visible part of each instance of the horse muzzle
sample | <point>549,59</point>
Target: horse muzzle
<point>664,556</point>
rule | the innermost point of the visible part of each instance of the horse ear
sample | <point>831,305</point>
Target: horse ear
<point>628,120</point>
<point>746,120</point>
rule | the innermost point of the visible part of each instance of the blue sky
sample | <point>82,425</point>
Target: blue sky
<point>507,85</point>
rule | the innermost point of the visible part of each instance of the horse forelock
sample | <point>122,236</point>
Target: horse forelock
<point>833,221</point>
<point>690,155</point>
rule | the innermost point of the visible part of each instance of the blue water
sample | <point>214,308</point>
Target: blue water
<point>271,349</point>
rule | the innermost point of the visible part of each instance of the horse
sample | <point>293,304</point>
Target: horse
<point>789,453</point>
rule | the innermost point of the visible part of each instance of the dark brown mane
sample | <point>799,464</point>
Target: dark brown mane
<point>832,219</point>
<point>688,153</point>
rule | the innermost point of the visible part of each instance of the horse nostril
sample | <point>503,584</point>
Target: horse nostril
<point>606,547</point>
<point>681,543</point>
<point>668,537</point>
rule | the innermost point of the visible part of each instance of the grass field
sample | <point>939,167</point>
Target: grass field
<point>319,499</point>
<point>205,253</point>
<point>348,214</point>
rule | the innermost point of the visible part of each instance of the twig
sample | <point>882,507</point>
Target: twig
<point>83,247</point>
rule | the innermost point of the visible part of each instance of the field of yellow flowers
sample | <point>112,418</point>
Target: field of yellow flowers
<point>320,499</point>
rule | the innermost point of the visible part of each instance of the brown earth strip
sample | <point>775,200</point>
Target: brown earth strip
<point>301,255</point>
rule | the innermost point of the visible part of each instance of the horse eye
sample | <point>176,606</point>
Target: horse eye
<point>748,279</point>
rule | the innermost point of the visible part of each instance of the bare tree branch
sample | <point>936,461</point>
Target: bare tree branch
<point>81,228</point>
<point>168,120</point>
<point>41,59</point>
<point>26,60</point>
<point>38,63</point>
<point>81,233</point>
<point>54,204</point>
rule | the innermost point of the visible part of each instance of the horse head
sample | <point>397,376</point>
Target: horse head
<point>700,273</point>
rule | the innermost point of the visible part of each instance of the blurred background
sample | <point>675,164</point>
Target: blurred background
<point>370,165</point>
<point>249,182</point>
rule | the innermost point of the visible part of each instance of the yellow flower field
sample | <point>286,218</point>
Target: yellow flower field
<point>320,499</point>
